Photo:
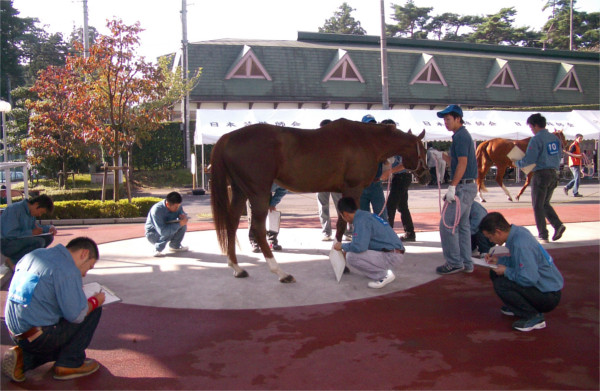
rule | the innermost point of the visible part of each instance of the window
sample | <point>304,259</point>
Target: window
<point>342,68</point>
<point>247,66</point>
<point>427,72</point>
<point>567,79</point>
<point>501,75</point>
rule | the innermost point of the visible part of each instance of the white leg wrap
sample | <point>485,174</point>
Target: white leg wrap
<point>274,268</point>
<point>506,191</point>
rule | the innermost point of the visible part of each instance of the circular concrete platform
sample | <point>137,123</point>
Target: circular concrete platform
<point>201,279</point>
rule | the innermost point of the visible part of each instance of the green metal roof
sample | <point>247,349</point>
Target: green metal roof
<point>297,69</point>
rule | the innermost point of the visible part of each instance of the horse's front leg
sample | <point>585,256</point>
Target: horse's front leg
<point>257,224</point>
<point>340,228</point>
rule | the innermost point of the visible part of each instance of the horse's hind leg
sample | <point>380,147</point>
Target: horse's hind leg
<point>238,203</point>
<point>482,171</point>
<point>257,224</point>
<point>527,181</point>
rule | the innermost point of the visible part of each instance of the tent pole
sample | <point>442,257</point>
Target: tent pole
<point>202,165</point>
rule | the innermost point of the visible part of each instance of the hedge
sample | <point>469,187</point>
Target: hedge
<point>84,194</point>
<point>84,209</point>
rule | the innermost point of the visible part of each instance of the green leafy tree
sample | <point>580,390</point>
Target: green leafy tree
<point>342,22</point>
<point>498,29</point>
<point>557,28</point>
<point>42,51</point>
<point>14,32</point>
<point>411,20</point>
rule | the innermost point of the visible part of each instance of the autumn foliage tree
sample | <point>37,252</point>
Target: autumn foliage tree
<point>122,89</point>
<point>60,123</point>
<point>111,99</point>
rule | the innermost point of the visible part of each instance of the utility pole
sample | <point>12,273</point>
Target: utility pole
<point>86,40</point>
<point>384,75</point>
<point>185,112</point>
<point>571,27</point>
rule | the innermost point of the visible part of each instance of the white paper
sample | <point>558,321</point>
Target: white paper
<point>273,221</point>
<point>482,262</point>
<point>527,169</point>
<point>338,262</point>
<point>516,154</point>
<point>496,250</point>
<point>92,288</point>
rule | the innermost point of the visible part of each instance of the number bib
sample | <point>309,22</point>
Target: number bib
<point>552,148</point>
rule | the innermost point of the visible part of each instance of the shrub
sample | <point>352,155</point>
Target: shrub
<point>85,209</point>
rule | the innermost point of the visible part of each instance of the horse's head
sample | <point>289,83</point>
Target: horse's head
<point>561,136</point>
<point>415,161</point>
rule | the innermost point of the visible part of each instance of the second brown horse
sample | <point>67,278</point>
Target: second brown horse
<point>494,152</point>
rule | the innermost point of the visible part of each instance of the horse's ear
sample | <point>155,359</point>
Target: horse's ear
<point>422,135</point>
<point>409,131</point>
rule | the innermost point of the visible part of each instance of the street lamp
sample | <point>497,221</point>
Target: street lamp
<point>4,107</point>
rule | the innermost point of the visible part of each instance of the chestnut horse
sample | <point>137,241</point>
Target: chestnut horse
<point>342,156</point>
<point>494,151</point>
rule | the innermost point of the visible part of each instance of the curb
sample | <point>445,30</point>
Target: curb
<point>111,220</point>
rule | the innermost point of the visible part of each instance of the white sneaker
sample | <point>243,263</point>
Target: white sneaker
<point>383,282</point>
<point>178,249</point>
<point>327,238</point>
<point>158,254</point>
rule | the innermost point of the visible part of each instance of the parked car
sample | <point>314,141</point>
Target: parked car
<point>15,176</point>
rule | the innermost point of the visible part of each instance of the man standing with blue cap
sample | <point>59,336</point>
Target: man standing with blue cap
<point>455,229</point>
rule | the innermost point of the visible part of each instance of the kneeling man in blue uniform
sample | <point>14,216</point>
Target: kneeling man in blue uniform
<point>167,222</point>
<point>47,314</point>
<point>375,248</point>
<point>527,281</point>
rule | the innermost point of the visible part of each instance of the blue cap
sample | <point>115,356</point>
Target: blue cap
<point>368,118</point>
<point>450,109</point>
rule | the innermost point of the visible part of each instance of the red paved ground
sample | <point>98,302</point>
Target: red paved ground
<point>447,334</point>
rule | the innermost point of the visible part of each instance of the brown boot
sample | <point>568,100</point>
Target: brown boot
<point>12,364</point>
<point>63,373</point>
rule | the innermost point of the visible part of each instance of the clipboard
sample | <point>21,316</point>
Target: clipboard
<point>92,288</point>
<point>338,262</point>
<point>482,262</point>
<point>515,154</point>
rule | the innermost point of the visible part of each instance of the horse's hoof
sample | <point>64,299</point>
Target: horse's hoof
<point>510,199</point>
<point>242,274</point>
<point>287,279</point>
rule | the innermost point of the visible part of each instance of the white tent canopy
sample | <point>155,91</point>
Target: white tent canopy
<point>483,125</point>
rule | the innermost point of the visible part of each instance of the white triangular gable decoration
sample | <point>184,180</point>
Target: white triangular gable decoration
<point>501,75</point>
<point>427,71</point>
<point>343,68</point>
<point>247,66</point>
<point>567,79</point>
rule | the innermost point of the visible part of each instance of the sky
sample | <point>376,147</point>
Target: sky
<point>251,19</point>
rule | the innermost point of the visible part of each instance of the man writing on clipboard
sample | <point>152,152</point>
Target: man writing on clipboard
<point>20,233</point>
<point>47,313</point>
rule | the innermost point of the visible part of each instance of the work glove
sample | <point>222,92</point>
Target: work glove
<point>449,197</point>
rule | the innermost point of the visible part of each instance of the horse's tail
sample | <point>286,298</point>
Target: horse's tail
<point>219,194</point>
<point>482,156</point>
